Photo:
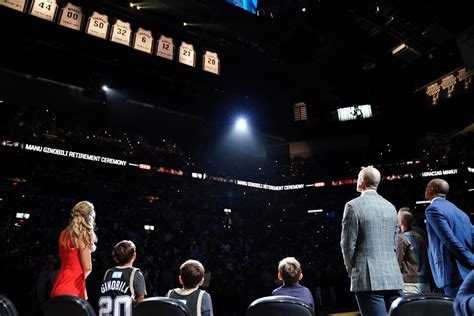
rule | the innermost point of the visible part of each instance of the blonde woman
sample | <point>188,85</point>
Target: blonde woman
<point>76,243</point>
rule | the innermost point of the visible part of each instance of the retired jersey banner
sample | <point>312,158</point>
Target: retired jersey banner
<point>18,5</point>
<point>98,25</point>
<point>187,55</point>
<point>44,9</point>
<point>211,62</point>
<point>71,16</point>
<point>143,41</point>
<point>121,32</point>
<point>165,47</point>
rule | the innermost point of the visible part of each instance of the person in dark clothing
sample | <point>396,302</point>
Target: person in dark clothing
<point>289,271</point>
<point>191,276</point>
<point>124,284</point>
<point>415,226</point>
<point>412,256</point>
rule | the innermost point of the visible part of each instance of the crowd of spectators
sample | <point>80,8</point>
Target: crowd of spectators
<point>240,249</point>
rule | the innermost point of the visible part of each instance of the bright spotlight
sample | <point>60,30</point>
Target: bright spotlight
<point>131,4</point>
<point>105,88</point>
<point>241,124</point>
<point>185,24</point>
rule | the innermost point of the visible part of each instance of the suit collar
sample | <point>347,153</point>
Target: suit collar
<point>370,191</point>
<point>436,198</point>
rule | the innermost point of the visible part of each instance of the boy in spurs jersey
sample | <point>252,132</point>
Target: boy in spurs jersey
<point>191,276</point>
<point>123,285</point>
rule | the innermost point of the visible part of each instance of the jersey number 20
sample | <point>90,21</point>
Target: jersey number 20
<point>107,304</point>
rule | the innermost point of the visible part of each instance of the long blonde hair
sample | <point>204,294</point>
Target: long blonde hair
<point>81,227</point>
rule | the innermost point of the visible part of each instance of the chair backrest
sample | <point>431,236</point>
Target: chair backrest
<point>6,307</point>
<point>161,306</point>
<point>68,305</point>
<point>429,304</point>
<point>279,305</point>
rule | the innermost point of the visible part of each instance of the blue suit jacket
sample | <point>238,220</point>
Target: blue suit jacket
<point>450,242</point>
<point>464,302</point>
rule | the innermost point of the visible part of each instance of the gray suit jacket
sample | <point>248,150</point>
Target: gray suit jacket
<point>369,228</point>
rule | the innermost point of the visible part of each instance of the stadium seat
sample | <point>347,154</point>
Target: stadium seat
<point>279,305</point>
<point>161,306</point>
<point>68,305</point>
<point>429,304</point>
<point>6,307</point>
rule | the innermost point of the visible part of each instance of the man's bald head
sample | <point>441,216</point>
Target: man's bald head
<point>435,188</point>
<point>369,178</point>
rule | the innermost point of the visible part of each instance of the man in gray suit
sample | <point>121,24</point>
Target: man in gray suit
<point>369,228</point>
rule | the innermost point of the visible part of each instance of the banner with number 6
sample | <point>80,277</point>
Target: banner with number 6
<point>143,40</point>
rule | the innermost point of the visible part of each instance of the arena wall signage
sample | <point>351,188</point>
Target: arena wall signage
<point>439,173</point>
<point>73,154</point>
<point>204,176</point>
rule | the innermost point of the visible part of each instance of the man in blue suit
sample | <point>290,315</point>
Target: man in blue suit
<point>450,239</point>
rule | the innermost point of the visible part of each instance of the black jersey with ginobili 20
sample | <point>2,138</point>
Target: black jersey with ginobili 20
<point>117,290</point>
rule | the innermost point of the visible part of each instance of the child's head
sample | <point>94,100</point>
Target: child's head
<point>191,273</point>
<point>289,270</point>
<point>124,252</point>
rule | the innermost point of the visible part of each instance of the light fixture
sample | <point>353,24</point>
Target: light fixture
<point>398,48</point>
<point>185,24</point>
<point>105,88</point>
<point>241,124</point>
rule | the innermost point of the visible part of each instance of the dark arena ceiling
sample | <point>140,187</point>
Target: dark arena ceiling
<point>326,53</point>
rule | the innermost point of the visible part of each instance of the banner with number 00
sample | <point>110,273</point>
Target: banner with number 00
<point>71,16</point>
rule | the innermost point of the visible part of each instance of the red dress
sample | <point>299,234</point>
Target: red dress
<point>70,278</point>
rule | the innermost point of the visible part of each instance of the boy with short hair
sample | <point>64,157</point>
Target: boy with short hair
<point>289,271</point>
<point>123,285</point>
<point>191,276</point>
